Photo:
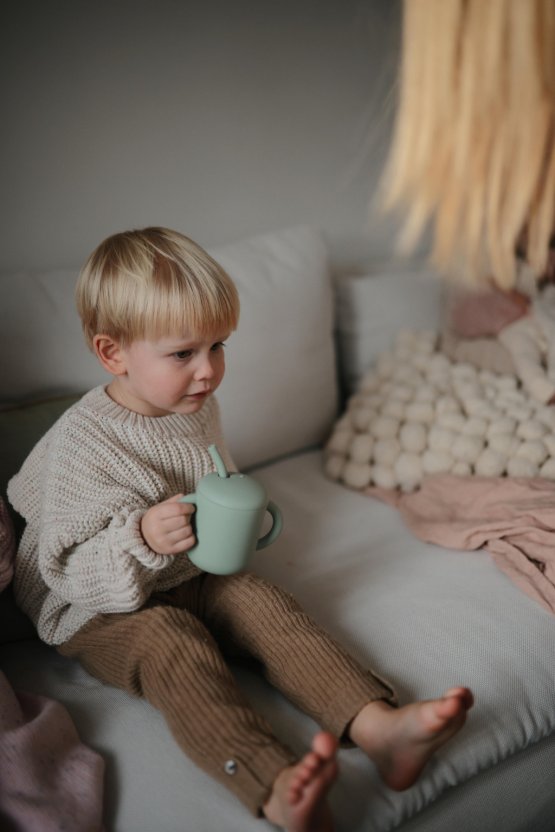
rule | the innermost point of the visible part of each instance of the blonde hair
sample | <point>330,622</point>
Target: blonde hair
<point>154,282</point>
<point>473,147</point>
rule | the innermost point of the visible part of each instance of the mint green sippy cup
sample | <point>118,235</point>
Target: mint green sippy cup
<point>230,510</point>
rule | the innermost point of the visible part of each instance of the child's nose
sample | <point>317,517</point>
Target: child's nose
<point>205,368</point>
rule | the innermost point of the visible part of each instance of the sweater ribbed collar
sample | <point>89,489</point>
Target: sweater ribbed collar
<point>99,402</point>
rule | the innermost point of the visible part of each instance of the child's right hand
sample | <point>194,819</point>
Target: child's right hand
<point>166,527</point>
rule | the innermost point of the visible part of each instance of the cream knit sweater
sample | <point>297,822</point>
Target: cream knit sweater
<point>83,491</point>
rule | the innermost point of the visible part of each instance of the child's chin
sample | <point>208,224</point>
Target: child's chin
<point>191,405</point>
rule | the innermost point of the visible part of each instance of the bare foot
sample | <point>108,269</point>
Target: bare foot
<point>298,800</point>
<point>400,741</point>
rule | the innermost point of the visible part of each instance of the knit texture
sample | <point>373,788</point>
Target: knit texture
<point>173,652</point>
<point>82,493</point>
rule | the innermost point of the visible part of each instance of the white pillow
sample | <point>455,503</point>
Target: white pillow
<point>373,308</point>
<point>280,392</point>
<point>41,343</point>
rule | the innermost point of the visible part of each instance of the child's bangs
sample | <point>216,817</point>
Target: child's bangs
<point>192,305</point>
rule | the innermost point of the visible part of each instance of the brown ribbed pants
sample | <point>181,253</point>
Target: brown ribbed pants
<point>171,653</point>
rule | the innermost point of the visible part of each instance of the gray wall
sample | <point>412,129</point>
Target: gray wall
<point>221,118</point>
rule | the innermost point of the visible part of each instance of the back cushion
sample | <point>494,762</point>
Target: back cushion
<point>279,394</point>
<point>373,308</point>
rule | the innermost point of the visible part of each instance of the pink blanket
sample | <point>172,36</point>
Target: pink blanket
<point>49,780</point>
<point>513,518</point>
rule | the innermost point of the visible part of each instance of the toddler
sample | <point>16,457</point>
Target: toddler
<point>102,568</point>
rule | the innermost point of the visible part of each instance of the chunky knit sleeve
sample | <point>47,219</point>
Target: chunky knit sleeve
<point>91,497</point>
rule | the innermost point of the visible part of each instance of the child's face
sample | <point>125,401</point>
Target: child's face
<point>169,375</point>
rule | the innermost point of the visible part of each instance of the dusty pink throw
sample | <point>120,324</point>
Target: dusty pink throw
<point>49,780</point>
<point>513,518</point>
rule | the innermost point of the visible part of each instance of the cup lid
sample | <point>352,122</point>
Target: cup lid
<point>236,491</point>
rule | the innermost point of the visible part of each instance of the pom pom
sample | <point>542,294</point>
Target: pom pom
<point>413,437</point>
<point>452,421</point>
<point>502,425</point>
<point>384,427</point>
<point>504,382</point>
<point>361,448</point>
<point>441,381</point>
<point>462,370</point>
<point>461,469</point>
<point>356,474</point>
<point>548,469</point>
<point>408,470</point>
<point>386,451</point>
<point>425,341</point>
<point>383,476</point>
<point>441,439</point>
<point>344,423</point>
<point>439,364</point>
<point>370,382</point>
<point>504,444</point>
<point>420,361</point>
<point>486,377</point>
<point>334,465</point>
<point>519,413</point>
<point>546,415</point>
<point>394,408</point>
<point>481,409</point>
<point>520,467</point>
<point>436,462</point>
<point>420,412</point>
<point>340,441</point>
<point>362,417</point>
<point>404,373</point>
<point>475,427</point>
<point>402,393</point>
<point>467,448</point>
<point>425,393</point>
<point>533,450</point>
<point>490,464</point>
<point>531,430</point>
<point>447,404</point>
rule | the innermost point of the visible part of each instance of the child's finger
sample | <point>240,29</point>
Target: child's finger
<point>179,532</point>
<point>184,508</point>
<point>172,508</point>
<point>183,543</point>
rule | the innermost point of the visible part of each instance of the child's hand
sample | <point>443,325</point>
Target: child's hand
<point>166,527</point>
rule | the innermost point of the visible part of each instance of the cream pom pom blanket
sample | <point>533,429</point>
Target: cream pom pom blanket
<point>417,413</point>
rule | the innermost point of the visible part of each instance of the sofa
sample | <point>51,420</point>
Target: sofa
<point>423,616</point>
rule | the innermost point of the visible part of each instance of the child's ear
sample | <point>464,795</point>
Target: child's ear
<point>110,354</point>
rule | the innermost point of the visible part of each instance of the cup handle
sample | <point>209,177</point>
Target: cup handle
<point>277,526</point>
<point>189,498</point>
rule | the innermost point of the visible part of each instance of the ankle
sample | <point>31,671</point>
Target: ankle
<point>366,719</point>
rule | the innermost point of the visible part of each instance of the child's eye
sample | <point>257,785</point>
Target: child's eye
<point>183,355</point>
<point>219,345</point>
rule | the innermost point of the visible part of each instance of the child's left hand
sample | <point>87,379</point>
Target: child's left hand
<point>166,527</point>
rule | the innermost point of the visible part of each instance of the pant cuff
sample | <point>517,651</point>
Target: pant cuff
<point>352,699</point>
<point>251,778</point>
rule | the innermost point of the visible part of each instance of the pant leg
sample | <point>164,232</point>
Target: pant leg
<point>245,612</point>
<point>167,656</point>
